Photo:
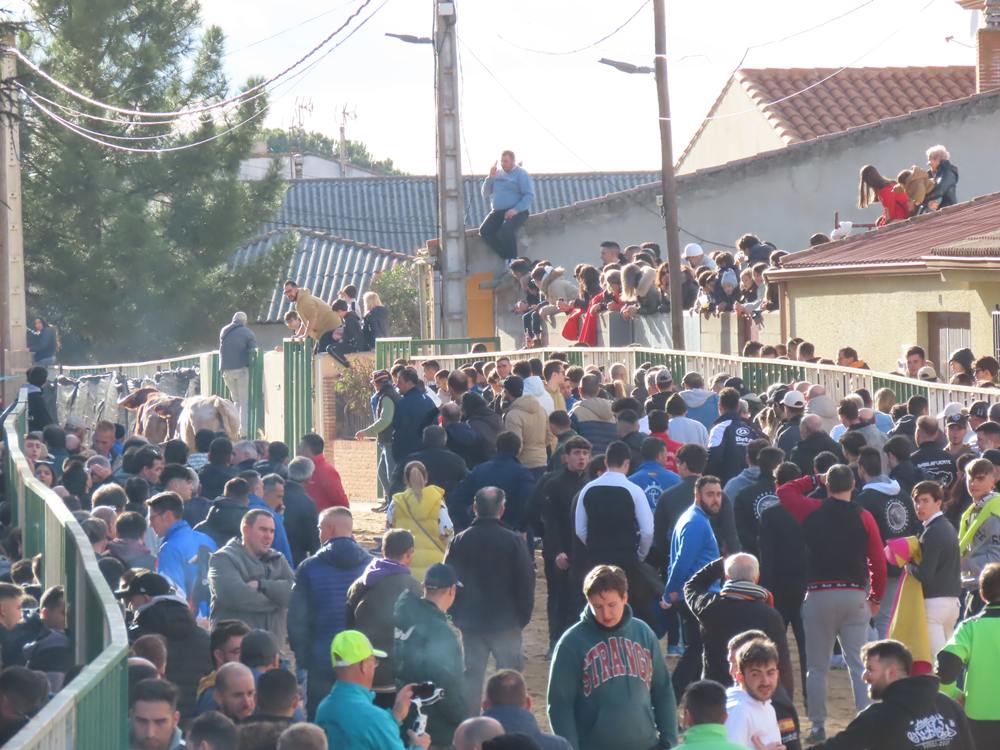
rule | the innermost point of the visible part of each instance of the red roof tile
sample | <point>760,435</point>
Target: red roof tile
<point>967,230</point>
<point>852,97</point>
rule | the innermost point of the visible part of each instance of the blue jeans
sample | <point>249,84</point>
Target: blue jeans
<point>386,468</point>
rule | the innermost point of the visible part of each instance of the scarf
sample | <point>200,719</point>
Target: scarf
<point>747,591</point>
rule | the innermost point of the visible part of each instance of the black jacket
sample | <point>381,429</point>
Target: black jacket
<point>301,518</point>
<point>940,567</point>
<point>555,500</point>
<point>892,511</point>
<point>187,645</point>
<point>375,326</point>
<point>788,435</point>
<point>38,413</point>
<point>783,560</point>
<point>946,185</point>
<point>747,507</point>
<point>907,425</point>
<point>721,617</point>
<point>465,443</point>
<point>223,521</point>
<point>806,450</point>
<point>727,446</point>
<point>445,468</point>
<point>634,442</point>
<point>907,475</point>
<point>213,479</point>
<point>498,580</point>
<point>669,507</point>
<point>353,338</point>
<point>912,715</point>
<point>935,463</point>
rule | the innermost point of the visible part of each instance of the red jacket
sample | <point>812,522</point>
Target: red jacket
<point>325,487</point>
<point>793,496</point>
<point>672,447</point>
<point>895,205</point>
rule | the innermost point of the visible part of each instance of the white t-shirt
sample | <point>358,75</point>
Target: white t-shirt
<point>749,718</point>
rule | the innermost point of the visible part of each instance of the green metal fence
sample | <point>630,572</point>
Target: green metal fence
<point>91,710</point>
<point>389,350</point>
<point>299,391</point>
<point>255,390</point>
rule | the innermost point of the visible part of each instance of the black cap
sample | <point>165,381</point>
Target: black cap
<point>736,383</point>
<point>258,648</point>
<point>980,410</point>
<point>514,385</point>
<point>993,456</point>
<point>381,375</point>
<point>145,584</point>
<point>957,418</point>
<point>441,576</point>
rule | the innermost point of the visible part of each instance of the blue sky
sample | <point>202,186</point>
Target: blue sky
<point>561,112</point>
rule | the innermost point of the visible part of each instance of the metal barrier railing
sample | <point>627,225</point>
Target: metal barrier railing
<point>298,394</point>
<point>757,374</point>
<point>389,350</point>
<point>91,710</point>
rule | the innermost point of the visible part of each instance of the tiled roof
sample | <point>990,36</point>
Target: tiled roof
<point>967,230</point>
<point>322,263</point>
<point>400,213</point>
<point>852,97</point>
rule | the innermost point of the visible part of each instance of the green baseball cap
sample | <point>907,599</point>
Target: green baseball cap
<point>350,647</point>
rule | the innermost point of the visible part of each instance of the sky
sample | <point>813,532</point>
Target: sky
<point>559,112</point>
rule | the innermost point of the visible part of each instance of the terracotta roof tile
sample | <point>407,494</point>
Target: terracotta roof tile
<point>855,96</point>
<point>970,230</point>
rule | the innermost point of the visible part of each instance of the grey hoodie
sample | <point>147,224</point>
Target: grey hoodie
<point>825,408</point>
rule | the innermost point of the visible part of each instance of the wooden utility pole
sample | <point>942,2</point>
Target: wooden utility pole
<point>451,190</point>
<point>668,187</point>
<point>13,331</point>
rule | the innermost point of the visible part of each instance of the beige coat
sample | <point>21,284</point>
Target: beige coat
<point>527,419</point>
<point>314,311</point>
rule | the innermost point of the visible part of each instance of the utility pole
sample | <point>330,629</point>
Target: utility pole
<point>668,187</point>
<point>13,332</point>
<point>451,194</point>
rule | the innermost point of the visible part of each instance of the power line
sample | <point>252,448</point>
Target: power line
<point>579,49</point>
<point>196,110</point>
<point>290,28</point>
<point>820,82</point>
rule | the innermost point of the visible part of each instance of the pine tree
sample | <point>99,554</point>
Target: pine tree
<point>128,254</point>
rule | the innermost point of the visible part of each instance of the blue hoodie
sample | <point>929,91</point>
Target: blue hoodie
<point>654,479</point>
<point>692,547</point>
<point>703,406</point>
<point>318,610</point>
<point>181,544</point>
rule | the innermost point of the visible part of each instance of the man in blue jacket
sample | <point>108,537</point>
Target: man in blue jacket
<point>652,477</point>
<point>729,438</point>
<point>503,471</point>
<point>692,547</point>
<point>414,411</point>
<point>510,192</point>
<point>183,555</point>
<point>318,610</point>
<point>268,494</point>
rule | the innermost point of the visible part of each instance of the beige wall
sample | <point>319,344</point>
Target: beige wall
<point>725,139</point>
<point>881,315</point>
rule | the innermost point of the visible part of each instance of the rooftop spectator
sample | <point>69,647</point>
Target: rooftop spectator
<point>510,192</point>
<point>945,177</point>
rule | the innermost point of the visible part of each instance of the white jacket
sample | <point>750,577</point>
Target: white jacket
<point>749,718</point>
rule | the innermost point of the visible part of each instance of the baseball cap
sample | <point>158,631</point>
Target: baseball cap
<point>775,393</point>
<point>993,456</point>
<point>664,376</point>
<point>980,410</point>
<point>950,408</point>
<point>380,375</point>
<point>259,648</point>
<point>441,576</point>
<point>958,418</point>
<point>736,383</point>
<point>145,584</point>
<point>927,373</point>
<point>514,385</point>
<point>693,250</point>
<point>351,647</point>
<point>794,399</point>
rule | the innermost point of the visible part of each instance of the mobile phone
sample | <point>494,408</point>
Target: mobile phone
<point>423,690</point>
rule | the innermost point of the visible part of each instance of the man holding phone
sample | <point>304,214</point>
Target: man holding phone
<point>347,714</point>
<point>510,191</point>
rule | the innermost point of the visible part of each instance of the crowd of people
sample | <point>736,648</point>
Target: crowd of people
<point>695,512</point>
<point>915,190</point>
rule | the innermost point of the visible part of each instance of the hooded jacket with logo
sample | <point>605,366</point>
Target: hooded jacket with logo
<point>609,687</point>
<point>748,507</point>
<point>892,511</point>
<point>912,715</point>
<point>727,445</point>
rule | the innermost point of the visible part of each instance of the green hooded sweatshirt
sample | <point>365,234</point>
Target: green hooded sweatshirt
<point>427,649</point>
<point>610,688</point>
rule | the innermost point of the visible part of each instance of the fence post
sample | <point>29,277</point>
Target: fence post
<point>255,399</point>
<point>390,349</point>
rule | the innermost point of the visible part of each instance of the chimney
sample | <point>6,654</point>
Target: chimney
<point>988,48</point>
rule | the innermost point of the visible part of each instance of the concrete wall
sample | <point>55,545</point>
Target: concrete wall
<point>783,196</point>
<point>739,135</point>
<point>881,315</point>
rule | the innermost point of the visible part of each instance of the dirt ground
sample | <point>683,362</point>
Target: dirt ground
<point>840,701</point>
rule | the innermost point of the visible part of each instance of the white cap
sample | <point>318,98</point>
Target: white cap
<point>693,250</point>
<point>952,407</point>
<point>927,373</point>
<point>794,399</point>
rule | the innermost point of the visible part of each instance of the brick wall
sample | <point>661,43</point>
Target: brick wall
<point>358,466</point>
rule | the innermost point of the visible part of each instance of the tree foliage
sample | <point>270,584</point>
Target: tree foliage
<point>129,253</point>
<point>400,294</point>
<point>284,142</point>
